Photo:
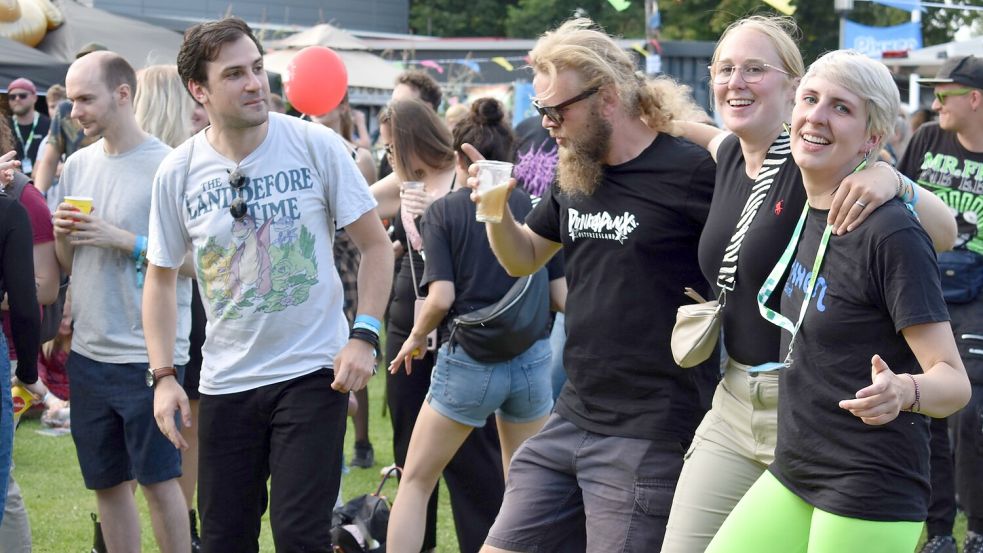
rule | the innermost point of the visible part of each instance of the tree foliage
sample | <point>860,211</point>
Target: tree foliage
<point>681,19</point>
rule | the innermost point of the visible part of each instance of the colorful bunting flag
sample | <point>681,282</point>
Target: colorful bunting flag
<point>783,6</point>
<point>432,65</point>
<point>503,62</point>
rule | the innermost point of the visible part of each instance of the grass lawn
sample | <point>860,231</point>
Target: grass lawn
<point>59,505</point>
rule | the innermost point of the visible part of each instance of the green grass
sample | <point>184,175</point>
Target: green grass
<point>59,505</point>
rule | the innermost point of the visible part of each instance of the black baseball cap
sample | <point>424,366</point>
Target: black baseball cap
<point>965,70</point>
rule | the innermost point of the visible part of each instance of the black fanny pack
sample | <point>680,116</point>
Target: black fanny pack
<point>962,275</point>
<point>507,327</point>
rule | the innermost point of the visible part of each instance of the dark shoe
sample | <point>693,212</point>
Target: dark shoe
<point>195,539</point>
<point>973,543</point>
<point>364,455</point>
<point>98,544</point>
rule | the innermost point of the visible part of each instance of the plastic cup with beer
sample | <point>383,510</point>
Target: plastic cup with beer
<point>83,203</point>
<point>493,190</point>
<point>22,402</point>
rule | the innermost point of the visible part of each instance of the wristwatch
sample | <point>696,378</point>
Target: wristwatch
<point>153,375</point>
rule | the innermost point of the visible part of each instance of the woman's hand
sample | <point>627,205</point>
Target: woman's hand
<point>7,167</point>
<point>413,348</point>
<point>859,194</point>
<point>415,201</point>
<point>880,402</point>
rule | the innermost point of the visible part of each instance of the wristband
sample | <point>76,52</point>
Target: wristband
<point>369,338</point>
<point>916,405</point>
<point>368,322</point>
<point>139,247</point>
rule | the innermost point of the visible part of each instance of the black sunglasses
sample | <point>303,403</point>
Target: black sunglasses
<point>554,113</point>
<point>238,180</point>
<point>18,96</point>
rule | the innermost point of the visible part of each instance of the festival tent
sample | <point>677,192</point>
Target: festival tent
<point>18,60</point>
<point>370,78</point>
<point>141,43</point>
<point>926,61</point>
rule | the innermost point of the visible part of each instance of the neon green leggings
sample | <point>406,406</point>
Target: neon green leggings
<point>771,519</point>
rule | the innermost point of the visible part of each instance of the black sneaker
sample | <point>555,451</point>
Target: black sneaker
<point>98,544</point>
<point>195,539</point>
<point>973,543</point>
<point>364,455</point>
<point>939,544</point>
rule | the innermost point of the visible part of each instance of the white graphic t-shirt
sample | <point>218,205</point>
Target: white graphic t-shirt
<point>268,280</point>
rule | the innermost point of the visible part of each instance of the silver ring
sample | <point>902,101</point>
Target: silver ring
<point>861,204</point>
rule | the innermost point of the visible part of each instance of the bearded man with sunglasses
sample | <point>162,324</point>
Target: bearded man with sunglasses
<point>946,157</point>
<point>256,198</point>
<point>627,209</point>
<point>113,426</point>
<point>30,127</point>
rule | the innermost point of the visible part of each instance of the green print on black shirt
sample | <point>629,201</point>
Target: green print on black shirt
<point>938,162</point>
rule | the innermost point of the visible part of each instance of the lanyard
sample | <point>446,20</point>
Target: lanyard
<point>776,274</point>
<point>30,135</point>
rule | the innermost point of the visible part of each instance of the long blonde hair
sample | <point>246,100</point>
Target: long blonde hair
<point>162,106</point>
<point>578,45</point>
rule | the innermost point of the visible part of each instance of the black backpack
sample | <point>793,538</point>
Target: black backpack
<point>50,314</point>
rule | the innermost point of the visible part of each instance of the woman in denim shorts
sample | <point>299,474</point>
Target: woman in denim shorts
<point>462,275</point>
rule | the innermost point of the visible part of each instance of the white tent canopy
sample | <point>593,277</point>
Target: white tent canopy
<point>926,61</point>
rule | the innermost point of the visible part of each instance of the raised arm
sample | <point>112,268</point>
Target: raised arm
<point>706,136</point>
<point>386,193</point>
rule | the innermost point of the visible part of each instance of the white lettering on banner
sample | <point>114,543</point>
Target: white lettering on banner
<point>870,46</point>
<point>600,225</point>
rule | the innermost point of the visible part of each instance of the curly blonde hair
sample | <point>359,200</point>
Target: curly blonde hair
<point>581,46</point>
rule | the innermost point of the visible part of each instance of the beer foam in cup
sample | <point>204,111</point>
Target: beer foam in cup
<point>83,203</point>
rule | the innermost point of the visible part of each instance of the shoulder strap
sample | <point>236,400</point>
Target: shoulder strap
<point>16,186</point>
<point>329,194</point>
<point>779,151</point>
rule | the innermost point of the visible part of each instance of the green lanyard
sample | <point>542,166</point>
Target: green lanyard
<point>776,274</point>
<point>30,135</point>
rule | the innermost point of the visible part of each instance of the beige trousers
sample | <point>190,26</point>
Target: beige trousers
<point>732,447</point>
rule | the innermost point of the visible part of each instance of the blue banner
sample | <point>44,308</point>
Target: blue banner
<point>873,41</point>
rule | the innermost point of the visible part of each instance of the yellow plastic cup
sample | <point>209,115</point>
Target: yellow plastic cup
<point>22,402</point>
<point>83,203</point>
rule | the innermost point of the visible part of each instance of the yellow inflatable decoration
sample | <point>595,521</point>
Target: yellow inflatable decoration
<point>27,21</point>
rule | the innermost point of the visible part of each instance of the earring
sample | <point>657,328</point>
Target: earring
<point>866,156</point>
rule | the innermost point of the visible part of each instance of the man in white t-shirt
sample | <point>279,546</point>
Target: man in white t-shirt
<point>116,437</point>
<point>257,198</point>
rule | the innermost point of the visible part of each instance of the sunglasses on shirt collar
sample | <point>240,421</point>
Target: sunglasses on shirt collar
<point>238,207</point>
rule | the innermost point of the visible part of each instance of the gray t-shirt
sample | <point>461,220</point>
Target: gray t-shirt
<point>106,298</point>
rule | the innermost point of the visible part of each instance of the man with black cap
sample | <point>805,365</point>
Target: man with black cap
<point>29,126</point>
<point>946,157</point>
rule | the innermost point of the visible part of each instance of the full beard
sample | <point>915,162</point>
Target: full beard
<point>580,167</point>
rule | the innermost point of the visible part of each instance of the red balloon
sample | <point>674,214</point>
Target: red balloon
<point>316,80</point>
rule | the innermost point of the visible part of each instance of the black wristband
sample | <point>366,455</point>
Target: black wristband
<point>366,336</point>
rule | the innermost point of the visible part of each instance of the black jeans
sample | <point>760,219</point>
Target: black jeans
<point>942,506</point>
<point>291,433</point>
<point>474,475</point>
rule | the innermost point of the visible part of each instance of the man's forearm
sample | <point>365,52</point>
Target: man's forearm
<point>44,170</point>
<point>512,246</point>
<point>160,315</point>
<point>375,280</point>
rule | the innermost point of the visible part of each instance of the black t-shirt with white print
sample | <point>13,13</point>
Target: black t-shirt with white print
<point>874,282</point>
<point>630,250</point>
<point>458,251</point>
<point>749,338</point>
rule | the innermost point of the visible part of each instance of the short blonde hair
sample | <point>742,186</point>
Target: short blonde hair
<point>867,78</point>
<point>162,105</point>
<point>579,45</point>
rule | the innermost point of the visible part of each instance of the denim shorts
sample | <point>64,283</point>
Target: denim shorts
<point>113,426</point>
<point>467,391</point>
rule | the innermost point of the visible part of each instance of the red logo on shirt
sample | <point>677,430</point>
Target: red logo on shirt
<point>779,207</point>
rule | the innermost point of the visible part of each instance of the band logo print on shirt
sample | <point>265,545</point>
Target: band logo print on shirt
<point>600,225</point>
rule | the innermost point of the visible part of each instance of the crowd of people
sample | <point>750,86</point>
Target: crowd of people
<point>235,273</point>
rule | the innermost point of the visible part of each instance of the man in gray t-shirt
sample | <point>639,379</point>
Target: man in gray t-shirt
<point>115,434</point>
